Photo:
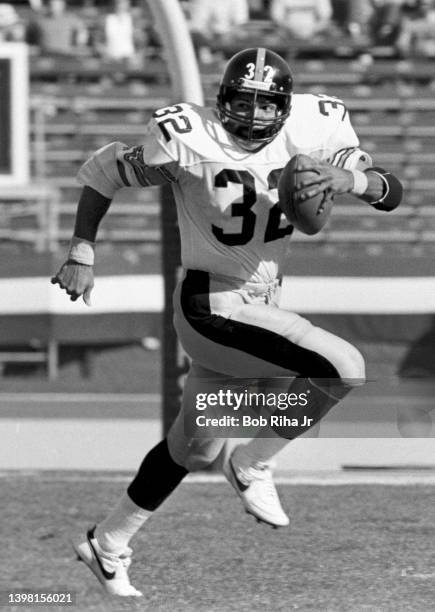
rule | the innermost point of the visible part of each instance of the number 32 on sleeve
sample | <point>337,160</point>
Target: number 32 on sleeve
<point>180,123</point>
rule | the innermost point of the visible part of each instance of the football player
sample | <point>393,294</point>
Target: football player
<point>224,164</point>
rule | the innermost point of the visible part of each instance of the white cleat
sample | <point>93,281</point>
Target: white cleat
<point>255,487</point>
<point>110,569</point>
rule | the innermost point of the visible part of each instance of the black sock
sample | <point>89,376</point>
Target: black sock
<point>156,478</point>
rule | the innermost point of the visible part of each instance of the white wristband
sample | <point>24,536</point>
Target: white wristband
<point>82,251</point>
<point>360,182</point>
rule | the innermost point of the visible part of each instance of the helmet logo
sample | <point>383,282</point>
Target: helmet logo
<point>268,72</point>
<point>251,70</point>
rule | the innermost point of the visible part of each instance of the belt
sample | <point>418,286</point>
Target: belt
<point>232,282</point>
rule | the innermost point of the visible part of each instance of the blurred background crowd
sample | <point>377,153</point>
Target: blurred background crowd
<point>122,31</point>
<point>98,70</point>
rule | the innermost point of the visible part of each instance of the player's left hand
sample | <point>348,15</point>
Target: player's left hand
<point>326,178</point>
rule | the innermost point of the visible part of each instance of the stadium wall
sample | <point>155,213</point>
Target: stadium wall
<point>391,319</point>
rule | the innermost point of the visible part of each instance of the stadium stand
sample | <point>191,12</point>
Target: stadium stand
<point>390,102</point>
<point>392,109</point>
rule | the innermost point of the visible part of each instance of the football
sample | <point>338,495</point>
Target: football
<point>308,216</point>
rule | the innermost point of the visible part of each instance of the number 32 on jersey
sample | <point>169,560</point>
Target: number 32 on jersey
<point>244,210</point>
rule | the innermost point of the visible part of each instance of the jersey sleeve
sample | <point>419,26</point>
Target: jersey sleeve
<point>344,146</point>
<point>117,165</point>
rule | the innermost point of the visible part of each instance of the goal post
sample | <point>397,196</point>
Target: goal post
<point>171,25</point>
<point>186,86</point>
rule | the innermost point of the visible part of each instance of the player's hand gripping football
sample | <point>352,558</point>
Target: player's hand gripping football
<point>77,279</point>
<point>324,178</point>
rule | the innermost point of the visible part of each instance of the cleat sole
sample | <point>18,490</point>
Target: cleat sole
<point>259,521</point>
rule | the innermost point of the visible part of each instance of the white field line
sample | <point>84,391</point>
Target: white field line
<point>328,479</point>
<point>317,479</point>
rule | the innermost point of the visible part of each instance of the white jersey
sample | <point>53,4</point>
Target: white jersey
<point>230,223</point>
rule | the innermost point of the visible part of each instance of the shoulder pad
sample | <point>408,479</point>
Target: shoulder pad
<point>319,107</point>
<point>187,130</point>
<point>173,120</point>
<point>166,133</point>
<point>319,125</point>
<point>178,121</point>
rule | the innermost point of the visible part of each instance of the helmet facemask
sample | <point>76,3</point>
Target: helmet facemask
<point>259,130</point>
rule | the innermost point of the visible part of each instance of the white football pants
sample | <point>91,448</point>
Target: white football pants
<point>233,330</point>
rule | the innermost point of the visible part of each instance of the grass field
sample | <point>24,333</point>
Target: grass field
<point>350,548</point>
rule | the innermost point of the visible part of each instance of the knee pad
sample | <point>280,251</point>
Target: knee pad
<point>194,454</point>
<point>334,355</point>
<point>352,372</point>
<point>202,456</point>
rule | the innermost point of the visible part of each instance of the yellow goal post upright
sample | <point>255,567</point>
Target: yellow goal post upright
<point>186,86</point>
